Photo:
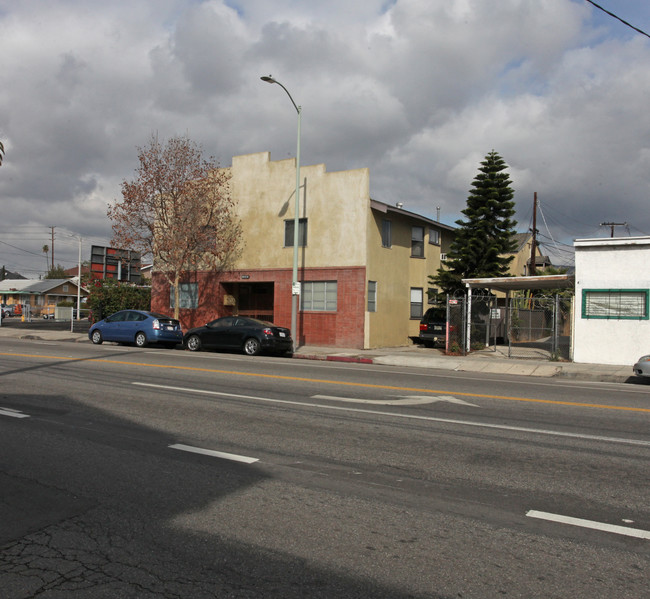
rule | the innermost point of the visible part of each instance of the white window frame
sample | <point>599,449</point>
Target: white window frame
<point>417,302</point>
<point>319,296</point>
<point>372,296</point>
<point>417,242</point>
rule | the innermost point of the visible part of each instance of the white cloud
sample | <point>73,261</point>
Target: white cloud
<point>417,90</point>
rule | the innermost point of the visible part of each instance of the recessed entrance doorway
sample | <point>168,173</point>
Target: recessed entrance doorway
<point>254,300</point>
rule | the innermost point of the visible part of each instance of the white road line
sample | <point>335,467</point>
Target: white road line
<point>12,413</point>
<point>402,401</point>
<point>619,530</point>
<point>215,454</point>
<point>503,427</point>
<point>444,398</point>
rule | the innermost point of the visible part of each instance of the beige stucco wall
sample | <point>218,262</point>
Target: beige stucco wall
<point>335,205</point>
<point>396,272</point>
<point>343,232</point>
<point>518,265</point>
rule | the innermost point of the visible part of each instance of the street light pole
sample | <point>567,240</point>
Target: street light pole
<point>295,284</point>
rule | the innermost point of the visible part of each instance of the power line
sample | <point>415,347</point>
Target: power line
<point>21,249</point>
<point>611,14</point>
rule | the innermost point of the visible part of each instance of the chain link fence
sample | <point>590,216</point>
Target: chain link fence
<point>518,327</point>
<point>540,327</point>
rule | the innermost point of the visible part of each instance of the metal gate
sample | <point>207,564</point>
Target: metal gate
<point>518,327</point>
<point>540,327</point>
<point>473,331</point>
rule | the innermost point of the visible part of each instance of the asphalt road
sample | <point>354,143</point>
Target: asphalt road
<point>160,473</point>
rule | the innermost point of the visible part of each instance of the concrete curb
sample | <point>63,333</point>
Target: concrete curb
<point>409,357</point>
<point>334,358</point>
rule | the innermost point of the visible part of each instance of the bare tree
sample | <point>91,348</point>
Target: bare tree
<point>178,211</point>
<point>2,152</point>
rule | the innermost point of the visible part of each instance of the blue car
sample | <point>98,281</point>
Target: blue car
<point>139,327</point>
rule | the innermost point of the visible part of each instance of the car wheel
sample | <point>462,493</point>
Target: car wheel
<point>97,338</point>
<point>140,339</point>
<point>194,343</point>
<point>252,346</point>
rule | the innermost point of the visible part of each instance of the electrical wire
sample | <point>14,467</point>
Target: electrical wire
<point>611,14</point>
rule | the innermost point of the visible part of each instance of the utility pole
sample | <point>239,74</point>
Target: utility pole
<point>52,246</point>
<point>533,246</point>
<point>612,225</point>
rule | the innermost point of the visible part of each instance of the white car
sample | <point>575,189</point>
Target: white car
<point>642,366</point>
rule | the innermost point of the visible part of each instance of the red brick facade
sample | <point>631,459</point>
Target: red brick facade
<point>341,328</point>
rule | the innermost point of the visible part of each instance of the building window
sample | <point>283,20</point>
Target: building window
<point>434,236</point>
<point>432,295</point>
<point>302,233</point>
<point>615,303</point>
<point>318,296</point>
<point>416,302</point>
<point>386,236</point>
<point>372,296</point>
<point>417,242</point>
<point>65,288</point>
<point>188,295</point>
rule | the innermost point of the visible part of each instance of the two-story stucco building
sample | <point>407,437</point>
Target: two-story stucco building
<point>363,265</point>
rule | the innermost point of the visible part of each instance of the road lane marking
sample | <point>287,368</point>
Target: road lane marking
<point>215,454</point>
<point>402,401</point>
<point>503,427</point>
<point>619,530</point>
<point>12,413</point>
<point>448,399</point>
<point>338,383</point>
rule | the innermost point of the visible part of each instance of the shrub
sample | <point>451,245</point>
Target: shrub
<point>108,296</point>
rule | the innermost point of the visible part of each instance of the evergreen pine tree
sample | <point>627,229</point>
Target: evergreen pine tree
<point>485,238</point>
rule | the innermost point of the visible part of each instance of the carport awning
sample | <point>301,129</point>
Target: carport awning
<point>507,284</point>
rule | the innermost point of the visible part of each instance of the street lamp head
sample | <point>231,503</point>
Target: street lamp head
<point>268,79</point>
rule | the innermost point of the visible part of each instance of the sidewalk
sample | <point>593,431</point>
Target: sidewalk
<point>486,361</point>
<point>412,356</point>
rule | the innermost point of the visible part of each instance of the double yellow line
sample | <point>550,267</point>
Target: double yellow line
<point>339,383</point>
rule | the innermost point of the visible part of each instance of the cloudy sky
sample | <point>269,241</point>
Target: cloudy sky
<point>419,91</point>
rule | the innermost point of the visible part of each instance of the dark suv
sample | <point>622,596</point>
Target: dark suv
<point>433,327</point>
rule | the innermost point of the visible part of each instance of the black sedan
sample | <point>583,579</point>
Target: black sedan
<point>238,333</point>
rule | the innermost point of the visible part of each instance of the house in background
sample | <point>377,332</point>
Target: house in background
<point>611,313</point>
<point>39,297</point>
<point>7,274</point>
<point>520,265</point>
<point>363,264</point>
<point>73,272</point>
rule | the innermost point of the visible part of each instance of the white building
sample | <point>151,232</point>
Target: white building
<point>612,324</point>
